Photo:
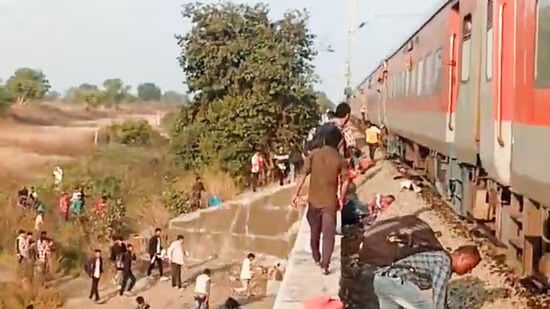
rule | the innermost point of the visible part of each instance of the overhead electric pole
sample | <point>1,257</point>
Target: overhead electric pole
<point>351,34</point>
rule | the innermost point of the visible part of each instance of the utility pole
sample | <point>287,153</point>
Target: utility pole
<point>351,34</point>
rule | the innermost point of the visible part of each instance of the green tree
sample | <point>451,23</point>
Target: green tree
<point>251,80</point>
<point>149,92</point>
<point>323,101</point>
<point>27,84</point>
<point>86,93</point>
<point>174,97</point>
<point>115,90</point>
<point>5,99</point>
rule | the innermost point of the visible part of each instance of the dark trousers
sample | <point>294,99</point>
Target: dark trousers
<point>94,290</point>
<point>322,221</point>
<point>157,261</point>
<point>125,277</point>
<point>372,150</point>
<point>176,275</point>
<point>255,177</point>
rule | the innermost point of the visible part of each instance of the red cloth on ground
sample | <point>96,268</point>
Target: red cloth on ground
<point>322,302</point>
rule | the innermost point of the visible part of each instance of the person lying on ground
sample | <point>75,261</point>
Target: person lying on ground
<point>378,204</point>
<point>327,167</point>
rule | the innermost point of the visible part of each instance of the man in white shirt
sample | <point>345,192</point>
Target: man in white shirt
<point>176,256</point>
<point>202,290</point>
<point>257,169</point>
<point>95,270</point>
<point>246,274</point>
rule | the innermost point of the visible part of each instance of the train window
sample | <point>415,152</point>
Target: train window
<point>428,77</point>
<point>419,77</point>
<point>407,83</point>
<point>466,47</point>
<point>489,41</point>
<point>542,68</point>
<point>438,64</point>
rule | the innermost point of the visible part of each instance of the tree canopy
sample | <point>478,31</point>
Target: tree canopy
<point>251,80</point>
<point>115,90</point>
<point>149,92</point>
<point>5,99</point>
<point>27,84</point>
<point>323,102</point>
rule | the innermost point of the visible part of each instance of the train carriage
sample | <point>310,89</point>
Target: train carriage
<point>466,98</point>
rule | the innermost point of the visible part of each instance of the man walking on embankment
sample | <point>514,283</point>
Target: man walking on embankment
<point>326,167</point>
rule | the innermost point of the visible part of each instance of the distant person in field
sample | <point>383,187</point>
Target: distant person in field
<point>258,166</point>
<point>21,244</point>
<point>100,206</point>
<point>63,205</point>
<point>77,203</point>
<point>197,189</point>
<point>202,290</point>
<point>326,168</point>
<point>44,249</point>
<point>373,138</point>
<point>281,159</point>
<point>22,197</point>
<point>95,270</point>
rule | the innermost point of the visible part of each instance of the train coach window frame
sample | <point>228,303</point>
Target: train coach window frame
<point>489,42</point>
<point>466,52</point>
<point>428,74</point>
<point>542,45</point>
<point>438,66</point>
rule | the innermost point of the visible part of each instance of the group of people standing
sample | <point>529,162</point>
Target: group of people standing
<point>34,255</point>
<point>281,166</point>
<point>400,268</point>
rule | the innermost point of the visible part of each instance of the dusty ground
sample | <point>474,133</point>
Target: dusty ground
<point>37,136</point>
<point>489,285</point>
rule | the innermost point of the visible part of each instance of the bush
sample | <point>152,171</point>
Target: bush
<point>131,132</point>
<point>177,202</point>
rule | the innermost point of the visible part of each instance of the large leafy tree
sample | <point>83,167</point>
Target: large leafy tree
<point>149,92</point>
<point>323,102</point>
<point>5,99</point>
<point>86,93</point>
<point>27,84</point>
<point>251,82</point>
<point>115,90</point>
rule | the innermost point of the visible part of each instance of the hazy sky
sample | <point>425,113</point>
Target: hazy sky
<point>77,41</point>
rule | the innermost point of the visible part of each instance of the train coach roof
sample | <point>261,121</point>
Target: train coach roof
<point>429,16</point>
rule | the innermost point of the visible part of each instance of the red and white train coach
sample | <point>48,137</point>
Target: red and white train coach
<point>467,98</point>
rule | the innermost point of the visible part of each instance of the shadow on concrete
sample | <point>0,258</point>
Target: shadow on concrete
<point>470,292</point>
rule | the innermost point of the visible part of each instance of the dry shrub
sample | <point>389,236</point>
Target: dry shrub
<point>220,184</point>
<point>151,214</point>
<point>20,295</point>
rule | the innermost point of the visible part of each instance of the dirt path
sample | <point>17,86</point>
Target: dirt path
<point>38,136</point>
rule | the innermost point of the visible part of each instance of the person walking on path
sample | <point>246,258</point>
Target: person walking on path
<point>176,255</point>
<point>257,169</point>
<point>197,189</point>
<point>115,258</point>
<point>296,162</point>
<point>402,284</point>
<point>363,113</point>
<point>155,253</point>
<point>372,138</point>
<point>128,257</point>
<point>95,270</point>
<point>44,250</point>
<point>340,121</point>
<point>327,168</point>
<point>202,290</point>
<point>282,165</point>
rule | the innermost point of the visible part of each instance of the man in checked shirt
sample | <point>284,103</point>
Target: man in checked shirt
<point>404,284</point>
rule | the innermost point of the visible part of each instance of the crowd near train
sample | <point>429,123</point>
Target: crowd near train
<point>466,100</point>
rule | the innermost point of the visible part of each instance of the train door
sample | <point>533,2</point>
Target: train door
<point>504,86</point>
<point>454,31</point>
